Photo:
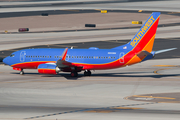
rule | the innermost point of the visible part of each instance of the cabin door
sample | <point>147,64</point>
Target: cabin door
<point>121,57</point>
<point>22,56</point>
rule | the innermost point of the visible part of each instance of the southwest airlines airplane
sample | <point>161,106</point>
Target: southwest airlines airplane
<point>53,61</point>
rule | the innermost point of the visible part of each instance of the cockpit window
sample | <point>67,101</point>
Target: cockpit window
<point>12,55</point>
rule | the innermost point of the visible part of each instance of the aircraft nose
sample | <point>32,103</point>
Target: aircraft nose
<point>6,61</point>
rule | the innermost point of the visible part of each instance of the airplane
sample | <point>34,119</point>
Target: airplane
<point>56,60</point>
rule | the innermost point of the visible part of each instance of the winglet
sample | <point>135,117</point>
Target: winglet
<point>64,54</point>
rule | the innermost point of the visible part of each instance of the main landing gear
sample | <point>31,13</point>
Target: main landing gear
<point>87,73</point>
<point>74,74</point>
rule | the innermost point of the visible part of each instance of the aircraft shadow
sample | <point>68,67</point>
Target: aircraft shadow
<point>127,74</point>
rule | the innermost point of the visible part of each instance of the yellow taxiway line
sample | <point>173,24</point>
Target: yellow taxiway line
<point>153,97</point>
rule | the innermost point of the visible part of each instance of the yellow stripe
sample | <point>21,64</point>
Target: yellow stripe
<point>101,111</point>
<point>150,42</point>
<point>130,60</point>
<point>126,108</point>
<point>153,97</point>
<point>156,71</point>
<point>170,102</point>
<point>165,66</point>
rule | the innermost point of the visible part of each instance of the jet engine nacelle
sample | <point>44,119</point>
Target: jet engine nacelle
<point>48,69</point>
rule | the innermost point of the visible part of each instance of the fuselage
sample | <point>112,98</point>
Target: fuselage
<point>91,58</point>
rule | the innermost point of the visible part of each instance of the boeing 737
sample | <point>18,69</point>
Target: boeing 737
<point>53,61</point>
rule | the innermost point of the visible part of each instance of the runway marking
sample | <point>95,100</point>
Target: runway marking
<point>156,71</point>
<point>97,110</point>
<point>127,108</point>
<point>170,102</point>
<point>153,97</point>
<point>101,111</point>
<point>166,66</point>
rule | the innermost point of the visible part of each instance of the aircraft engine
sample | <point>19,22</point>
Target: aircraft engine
<point>48,69</point>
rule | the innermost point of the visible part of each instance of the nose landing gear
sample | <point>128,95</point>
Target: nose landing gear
<point>21,72</point>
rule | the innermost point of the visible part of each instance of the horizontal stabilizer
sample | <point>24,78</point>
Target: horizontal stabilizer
<point>165,50</point>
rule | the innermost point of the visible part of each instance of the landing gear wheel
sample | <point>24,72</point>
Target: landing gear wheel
<point>74,74</point>
<point>87,73</point>
<point>21,72</point>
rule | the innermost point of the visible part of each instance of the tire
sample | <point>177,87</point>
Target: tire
<point>87,73</point>
<point>74,74</point>
<point>21,73</point>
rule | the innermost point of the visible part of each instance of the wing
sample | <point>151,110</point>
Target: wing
<point>62,63</point>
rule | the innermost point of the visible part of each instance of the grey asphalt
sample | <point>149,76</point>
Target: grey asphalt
<point>102,95</point>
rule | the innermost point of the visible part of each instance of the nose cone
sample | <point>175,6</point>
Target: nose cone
<point>6,61</point>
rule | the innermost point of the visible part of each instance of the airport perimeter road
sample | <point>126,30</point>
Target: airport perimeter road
<point>105,95</point>
<point>147,5</point>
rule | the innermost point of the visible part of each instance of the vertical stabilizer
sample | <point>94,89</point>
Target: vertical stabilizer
<point>144,38</point>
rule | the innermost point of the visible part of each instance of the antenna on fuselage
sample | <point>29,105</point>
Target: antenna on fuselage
<point>71,47</point>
